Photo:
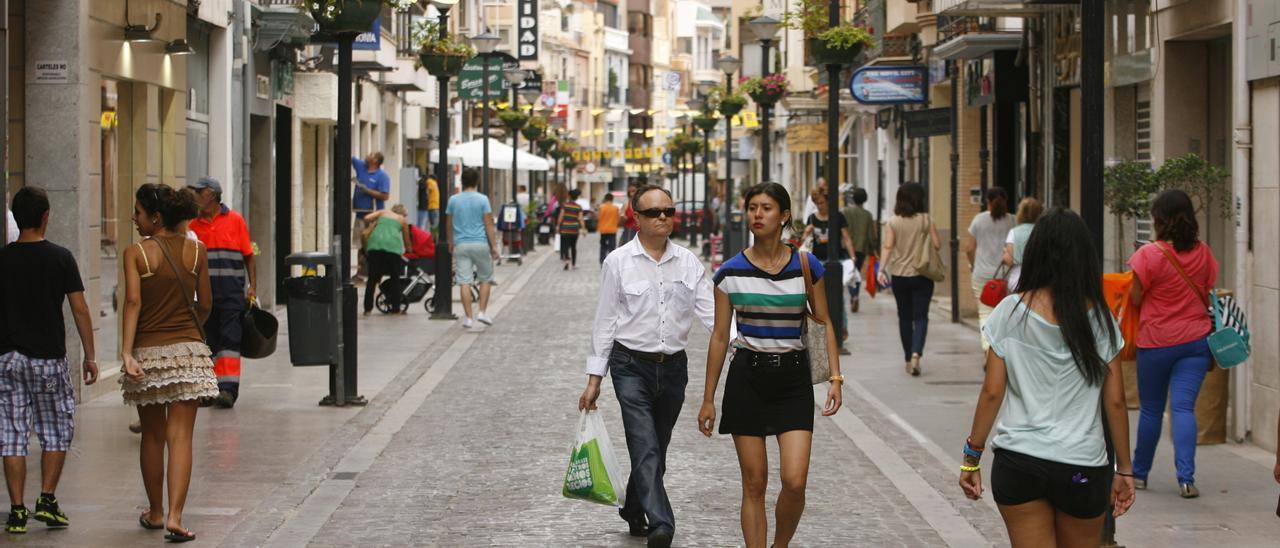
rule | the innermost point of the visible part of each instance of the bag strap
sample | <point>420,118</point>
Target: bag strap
<point>191,304</point>
<point>808,283</point>
<point>1178,266</point>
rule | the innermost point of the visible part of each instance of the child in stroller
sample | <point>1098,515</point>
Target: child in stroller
<point>418,280</point>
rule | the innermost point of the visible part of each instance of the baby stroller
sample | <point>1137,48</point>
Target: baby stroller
<point>416,284</point>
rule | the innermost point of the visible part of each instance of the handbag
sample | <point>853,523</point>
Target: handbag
<point>997,288</point>
<point>928,260</point>
<point>1229,345</point>
<point>258,330</point>
<point>813,332</point>
<point>177,274</point>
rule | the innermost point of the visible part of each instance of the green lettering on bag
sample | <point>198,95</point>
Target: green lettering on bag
<point>587,477</point>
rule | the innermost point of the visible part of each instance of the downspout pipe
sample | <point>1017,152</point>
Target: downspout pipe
<point>243,15</point>
<point>1241,181</point>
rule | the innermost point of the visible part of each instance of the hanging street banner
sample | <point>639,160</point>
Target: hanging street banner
<point>527,37</point>
<point>890,85</point>
<point>473,73</point>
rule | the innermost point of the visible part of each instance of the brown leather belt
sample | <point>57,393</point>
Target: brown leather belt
<point>654,357</point>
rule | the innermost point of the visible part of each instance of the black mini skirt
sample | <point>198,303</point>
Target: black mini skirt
<point>767,394</point>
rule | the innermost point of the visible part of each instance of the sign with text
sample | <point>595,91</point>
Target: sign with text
<point>473,73</point>
<point>372,40</point>
<point>52,72</point>
<point>890,85</point>
<point>807,137</point>
<point>928,122</point>
<point>527,39</point>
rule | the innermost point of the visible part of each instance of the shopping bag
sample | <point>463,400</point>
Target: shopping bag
<point>555,243</point>
<point>1115,288</point>
<point>872,269</point>
<point>594,474</point>
<point>849,274</point>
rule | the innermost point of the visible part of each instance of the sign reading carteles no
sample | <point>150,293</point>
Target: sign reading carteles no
<point>52,72</point>
<point>890,85</point>
<point>527,26</point>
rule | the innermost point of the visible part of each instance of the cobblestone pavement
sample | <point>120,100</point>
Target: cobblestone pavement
<point>480,463</point>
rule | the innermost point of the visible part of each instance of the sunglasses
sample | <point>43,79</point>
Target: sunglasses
<point>655,212</point>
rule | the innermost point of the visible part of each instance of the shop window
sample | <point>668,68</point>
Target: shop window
<point>198,66</point>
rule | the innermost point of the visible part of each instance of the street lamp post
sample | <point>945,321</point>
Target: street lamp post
<point>444,263</point>
<point>484,44</point>
<point>835,293</point>
<point>728,64</point>
<point>706,217</point>
<point>515,76</point>
<point>699,104</point>
<point>764,28</point>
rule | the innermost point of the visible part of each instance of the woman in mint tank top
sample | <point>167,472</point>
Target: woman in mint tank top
<point>1053,367</point>
<point>1029,211</point>
<point>387,236</point>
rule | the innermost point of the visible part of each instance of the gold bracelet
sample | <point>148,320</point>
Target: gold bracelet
<point>964,468</point>
<point>836,378</point>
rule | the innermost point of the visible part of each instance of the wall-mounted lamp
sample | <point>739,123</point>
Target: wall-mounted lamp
<point>178,47</point>
<point>139,33</point>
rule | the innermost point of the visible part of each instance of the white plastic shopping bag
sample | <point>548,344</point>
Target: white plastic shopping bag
<point>849,275</point>
<point>555,243</point>
<point>594,474</point>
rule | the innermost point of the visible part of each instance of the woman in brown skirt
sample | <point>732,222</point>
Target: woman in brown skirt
<point>167,368</point>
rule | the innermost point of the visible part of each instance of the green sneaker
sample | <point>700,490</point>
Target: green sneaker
<point>48,513</point>
<point>17,523</point>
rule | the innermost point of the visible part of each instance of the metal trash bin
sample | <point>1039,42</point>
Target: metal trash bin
<point>313,313</point>
<point>737,232</point>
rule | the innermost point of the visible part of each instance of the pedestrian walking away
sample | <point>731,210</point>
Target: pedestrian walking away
<point>901,252</point>
<point>989,231</point>
<point>768,392</point>
<point>608,226</point>
<point>569,223</point>
<point>1172,277</point>
<point>819,226</point>
<point>1053,366</point>
<point>428,204</point>
<point>388,236</point>
<point>371,190</point>
<point>651,290</point>
<point>36,275</point>
<point>233,276</point>
<point>1029,211</point>
<point>630,222</point>
<point>167,367</point>
<point>863,235</point>
<point>473,242</point>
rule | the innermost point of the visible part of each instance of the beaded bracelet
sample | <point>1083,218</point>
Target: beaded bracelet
<point>969,451</point>
<point>975,468</point>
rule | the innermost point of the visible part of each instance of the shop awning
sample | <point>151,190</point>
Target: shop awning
<point>977,45</point>
<point>472,155</point>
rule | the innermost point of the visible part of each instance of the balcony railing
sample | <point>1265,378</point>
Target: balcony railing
<point>951,27</point>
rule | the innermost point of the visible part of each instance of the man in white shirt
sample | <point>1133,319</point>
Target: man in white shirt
<point>650,292</point>
<point>11,232</point>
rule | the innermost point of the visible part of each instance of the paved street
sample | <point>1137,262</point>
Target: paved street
<point>465,438</point>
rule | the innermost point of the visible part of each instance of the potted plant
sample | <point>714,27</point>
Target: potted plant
<point>705,121</point>
<point>547,144</point>
<point>1127,190</point>
<point>767,90</point>
<point>442,56</point>
<point>346,16</point>
<point>730,103</point>
<point>828,45</point>
<point>513,119</point>
<point>534,128</point>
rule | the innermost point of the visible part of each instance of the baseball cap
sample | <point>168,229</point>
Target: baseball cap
<point>207,182</point>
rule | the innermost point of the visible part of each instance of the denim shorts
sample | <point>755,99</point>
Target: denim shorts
<point>35,393</point>
<point>475,265</point>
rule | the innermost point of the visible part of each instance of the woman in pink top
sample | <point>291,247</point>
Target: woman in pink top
<point>1172,275</point>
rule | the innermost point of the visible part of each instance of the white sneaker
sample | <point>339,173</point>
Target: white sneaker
<point>484,318</point>
<point>466,323</point>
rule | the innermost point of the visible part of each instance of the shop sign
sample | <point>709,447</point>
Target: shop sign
<point>52,72</point>
<point>928,122</point>
<point>890,85</point>
<point>372,40</point>
<point>473,74</point>
<point>807,137</point>
<point>527,39</point>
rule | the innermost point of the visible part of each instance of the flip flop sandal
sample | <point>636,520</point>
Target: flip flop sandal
<point>142,520</point>
<point>180,536</point>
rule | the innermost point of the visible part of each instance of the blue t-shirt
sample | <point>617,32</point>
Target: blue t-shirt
<point>378,180</point>
<point>466,211</point>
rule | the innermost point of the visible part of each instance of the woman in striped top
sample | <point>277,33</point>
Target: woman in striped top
<point>570,224</point>
<point>768,391</point>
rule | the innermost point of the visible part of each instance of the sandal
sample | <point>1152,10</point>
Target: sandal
<point>142,520</point>
<point>180,536</point>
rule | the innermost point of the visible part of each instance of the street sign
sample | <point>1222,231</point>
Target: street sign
<point>527,29</point>
<point>473,73</point>
<point>370,41</point>
<point>928,122</point>
<point>672,81</point>
<point>890,85</point>
<point>666,158</point>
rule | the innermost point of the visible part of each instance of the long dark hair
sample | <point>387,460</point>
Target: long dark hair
<point>910,200</point>
<point>1174,218</point>
<point>173,206</point>
<point>997,202</point>
<point>1060,259</point>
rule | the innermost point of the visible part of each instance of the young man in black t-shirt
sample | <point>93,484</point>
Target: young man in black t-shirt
<point>35,276</point>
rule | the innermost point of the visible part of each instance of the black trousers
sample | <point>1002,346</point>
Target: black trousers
<point>913,294</point>
<point>383,263</point>
<point>569,248</point>
<point>651,395</point>
<point>608,242</point>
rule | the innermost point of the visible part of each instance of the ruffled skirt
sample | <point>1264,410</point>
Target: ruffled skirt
<point>171,373</point>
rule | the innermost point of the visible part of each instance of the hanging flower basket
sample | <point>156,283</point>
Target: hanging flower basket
<point>443,64</point>
<point>839,45</point>
<point>731,105</point>
<point>766,91</point>
<point>344,16</point>
<point>546,144</point>
<point>706,123</point>
<point>530,132</point>
<point>513,119</point>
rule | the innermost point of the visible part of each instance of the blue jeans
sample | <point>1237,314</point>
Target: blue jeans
<point>650,395</point>
<point>913,295</point>
<point>427,219</point>
<point>1177,372</point>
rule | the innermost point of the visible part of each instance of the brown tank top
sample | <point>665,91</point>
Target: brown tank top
<point>164,318</point>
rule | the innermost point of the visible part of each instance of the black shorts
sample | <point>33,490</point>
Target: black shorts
<point>1082,492</point>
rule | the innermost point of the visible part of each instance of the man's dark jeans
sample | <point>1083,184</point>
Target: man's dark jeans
<point>651,395</point>
<point>608,242</point>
